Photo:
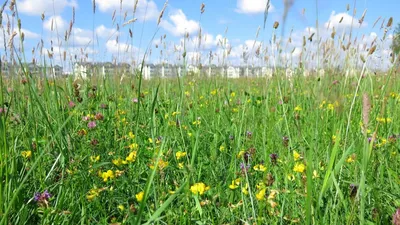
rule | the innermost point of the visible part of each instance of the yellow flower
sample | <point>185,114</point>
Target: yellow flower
<point>150,140</point>
<point>290,177</point>
<point>121,207</point>
<point>199,188</point>
<point>330,107</point>
<point>222,148</point>
<point>131,135</point>
<point>315,174</point>
<point>233,94</point>
<point>134,146</point>
<point>299,167</point>
<point>179,155</point>
<point>235,184</point>
<point>26,154</point>
<point>161,164</point>
<point>296,155</point>
<point>298,108</point>
<point>351,158</point>
<point>261,194</point>
<point>272,194</point>
<point>117,162</point>
<point>175,113</point>
<point>260,167</point>
<point>94,158</point>
<point>245,190</point>
<point>180,165</point>
<point>139,196</point>
<point>131,157</point>
<point>213,92</point>
<point>196,122</point>
<point>240,154</point>
<point>187,93</point>
<point>107,175</point>
<point>93,193</point>
<point>189,134</point>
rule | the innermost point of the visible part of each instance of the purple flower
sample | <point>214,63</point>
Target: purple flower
<point>104,106</point>
<point>273,158</point>
<point>396,217</point>
<point>71,104</point>
<point>135,100</point>
<point>249,134</point>
<point>244,167</point>
<point>91,124</point>
<point>42,198</point>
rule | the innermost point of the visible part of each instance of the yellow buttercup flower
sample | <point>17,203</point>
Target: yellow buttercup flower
<point>199,188</point>
<point>121,207</point>
<point>235,184</point>
<point>107,175</point>
<point>298,108</point>
<point>139,196</point>
<point>299,167</point>
<point>26,154</point>
<point>94,158</point>
<point>245,190</point>
<point>260,167</point>
<point>179,155</point>
<point>296,155</point>
<point>131,157</point>
<point>261,194</point>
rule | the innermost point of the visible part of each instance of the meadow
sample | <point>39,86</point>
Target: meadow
<point>204,151</point>
<point>309,148</point>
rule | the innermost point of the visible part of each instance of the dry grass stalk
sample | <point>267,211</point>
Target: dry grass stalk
<point>372,50</point>
<point>129,22</point>
<point>276,25</point>
<point>389,24</point>
<point>162,13</point>
<point>366,109</point>
<point>202,8</point>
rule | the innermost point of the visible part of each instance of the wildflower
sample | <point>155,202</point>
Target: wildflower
<point>199,188</point>
<point>99,116</point>
<point>107,175</point>
<point>299,167</point>
<point>315,174</point>
<point>396,217</point>
<point>273,157</point>
<point>94,158</point>
<point>196,122</point>
<point>384,120</point>
<point>91,124</point>
<point>296,155</point>
<point>42,199</point>
<point>26,154</point>
<point>180,165</point>
<point>240,154</point>
<point>121,207</point>
<point>244,167</point>
<point>233,94</point>
<point>82,132</point>
<point>179,155</point>
<point>330,107</point>
<point>249,134</point>
<point>139,196</point>
<point>104,106</point>
<point>161,164</point>
<point>290,177</point>
<point>131,157</point>
<point>93,193</point>
<point>235,184</point>
<point>175,113</point>
<point>71,104</point>
<point>117,162</point>
<point>133,146</point>
<point>222,148</point>
<point>213,92</point>
<point>261,194</point>
<point>298,108</point>
<point>351,158</point>
<point>150,140</point>
<point>131,135</point>
<point>135,100</point>
<point>245,190</point>
<point>260,167</point>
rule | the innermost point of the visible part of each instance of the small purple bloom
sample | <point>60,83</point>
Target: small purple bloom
<point>249,134</point>
<point>396,217</point>
<point>273,157</point>
<point>42,198</point>
<point>91,124</point>
<point>135,100</point>
<point>104,106</point>
<point>244,167</point>
<point>71,104</point>
<point>85,118</point>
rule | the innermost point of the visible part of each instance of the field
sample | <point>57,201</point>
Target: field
<point>201,151</point>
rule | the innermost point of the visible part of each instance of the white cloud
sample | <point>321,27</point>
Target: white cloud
<point>146,9</point>
<point>28,34</point>
<point>37,7</point>
<point>179,24</point>
<point>55,23</point>
<point>104,32</point>
<point>252,6</point>
<point>118,48</point>
<point>343,21</point>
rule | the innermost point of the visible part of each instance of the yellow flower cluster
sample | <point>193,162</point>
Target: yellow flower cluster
<point>199,188</point>
<point>235,184</point>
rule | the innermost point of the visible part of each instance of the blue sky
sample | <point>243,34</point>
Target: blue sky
<point>234,22</point>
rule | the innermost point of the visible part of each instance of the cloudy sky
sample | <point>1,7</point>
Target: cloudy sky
<point>225,24</point>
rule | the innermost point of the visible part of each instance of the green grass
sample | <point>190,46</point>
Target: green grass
<point>212,123</point>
